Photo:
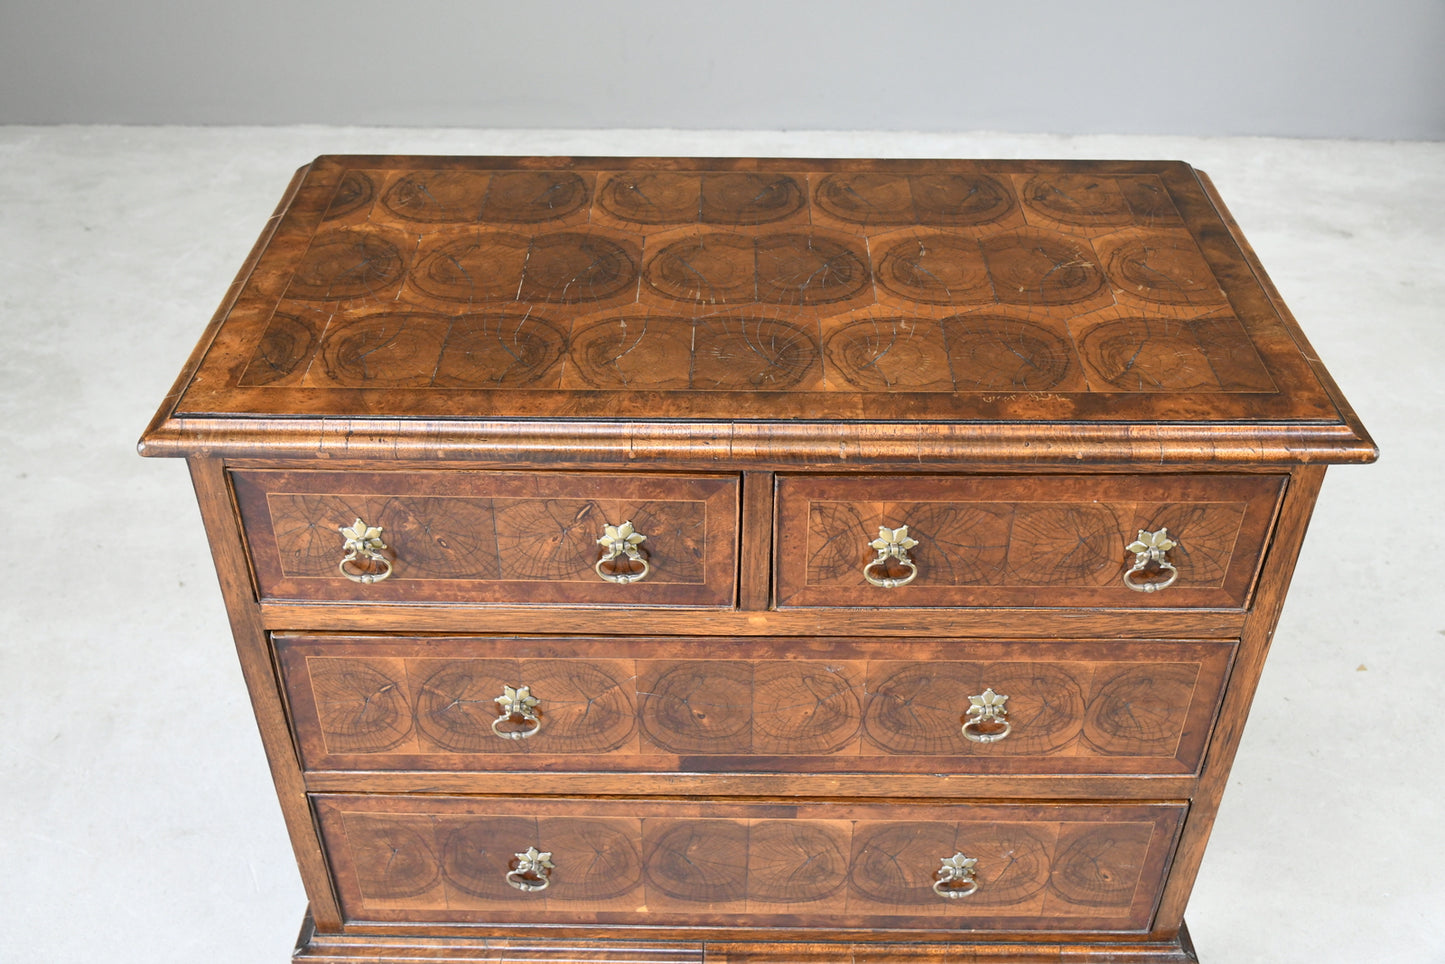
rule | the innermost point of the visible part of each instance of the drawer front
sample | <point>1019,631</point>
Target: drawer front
<point>1064,867</point>
<point>728,705</point>
<point>459,536</point>
<point>1023,541</point>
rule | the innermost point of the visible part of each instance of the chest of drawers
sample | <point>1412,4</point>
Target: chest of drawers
<point>680,560</point>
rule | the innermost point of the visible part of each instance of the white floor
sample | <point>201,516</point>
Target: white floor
<point>136,819</point>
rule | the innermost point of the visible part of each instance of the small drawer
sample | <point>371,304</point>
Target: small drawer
<point>727,705</point>
<point>492,537</point>
<point>898,867</point>
<point>1022,541</point>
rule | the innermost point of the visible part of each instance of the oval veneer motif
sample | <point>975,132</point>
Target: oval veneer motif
<point>803,707</point>
<point>894,863</point>
<point>456,707</point>
<point>571,268</point>
<point>779,269</point>
<point>1098,866</point>
<point>927,199</point>
<point>355,191</point>
<point>476,853</point>
<point>500,351</point>
<point>713,269</point>
<point>793,862</point>
<point>1034,268</point>
<point>347,263</point>
<point>393,857</point>
<point>1166,269</point>
<point>997,353</point>
<point>698,706</point>
<point>750,353</point>
<point>289,341</point>
<point>699,861</point>
<point>510,197</point>
<point>937,269</point>
<point>479,267</point>
<point>890,354</point>
<point>660,197</point>
<point>1065,545</point>
<point>360,708</point>
<point>1079,199</point>
<point>596,859</point>
<point>385,350</point>
<point>747,198</point>
<point>1140,710</point>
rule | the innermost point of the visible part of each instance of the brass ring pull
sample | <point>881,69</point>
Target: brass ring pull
<point>517,707</point>
<point>533,871</point>
<point>985,714</point>
<point>363,542</point>
<point>956,877</point>
<point>621,541</point>
<point>891,544</point>
<point>1150,547</point>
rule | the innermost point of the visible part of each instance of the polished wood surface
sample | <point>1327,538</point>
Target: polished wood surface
<point>898,623</point>
<point>752,755</point>
<point>258,668</point>
<point>492,537</point>
<point>724,705</point>
<point>1107,293</point>
<point>315,947</point>
<point>1021,540</point>
<point>840,865</point>
<point>886,292</point>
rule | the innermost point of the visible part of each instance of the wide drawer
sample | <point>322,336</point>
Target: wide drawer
<point>506,537</point>
<point>367,703</point>
<point>1022,541</point>
<point>1063,867</point>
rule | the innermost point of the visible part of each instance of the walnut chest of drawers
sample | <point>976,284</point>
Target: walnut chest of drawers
<point>680,560</point>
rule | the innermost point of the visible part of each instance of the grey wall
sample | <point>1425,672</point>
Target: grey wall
<point>1271,67</point>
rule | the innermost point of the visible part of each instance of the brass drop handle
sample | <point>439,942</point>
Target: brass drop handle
<point>517,704</point>
<point>363,542</point>
<point>533,871</point>
<point>1150,547</point>
<point>891,544</point>
<point>987,718</point>
<point>955,879</point>
<point>621,541</point>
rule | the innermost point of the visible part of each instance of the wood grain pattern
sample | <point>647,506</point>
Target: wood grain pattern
<point>722,705</point>
<point>1118,785</point>
<point>466,948</point>
<point>1021,540</point>
<point>900,624</point>
<point>517,288</point>
<point>850,865</point>
<point>1178,950</point>
<point>1254,647</point>
<point>752,756</point>
<point>316,947</point>
<point>903,446</point>
<point>228,551</point>
<point>506,537</point>
<point>755,570</point>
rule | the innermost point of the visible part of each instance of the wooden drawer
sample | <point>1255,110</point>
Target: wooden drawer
<point>751,705</point>
<point>1050,540</point>
<point>1058,867</point>
<point>461,536</point>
